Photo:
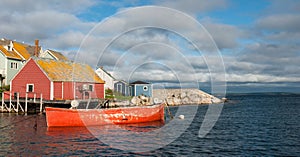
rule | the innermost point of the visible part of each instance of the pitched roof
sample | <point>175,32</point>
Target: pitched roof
<point>139,82</point>
<point>58,55</point>
<point>10,54</point>
<point>68,71</point>
<point>121,81</point>
<point>4,41</point>
<point>101,68</point>
<point>26,51</point>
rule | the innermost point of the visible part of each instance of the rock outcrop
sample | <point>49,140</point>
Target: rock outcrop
<point>183,96</point>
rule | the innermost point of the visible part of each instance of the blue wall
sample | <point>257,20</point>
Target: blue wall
<point>139,89</point>
<point>122,88</point>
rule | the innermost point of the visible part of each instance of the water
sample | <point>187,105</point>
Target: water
<point>254,125</point>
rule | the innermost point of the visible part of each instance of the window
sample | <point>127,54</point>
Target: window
<point>119,87</point>
<point>91,87</point>
<point>30,88</point>
<point>14,65</point>
<point>145,88</point>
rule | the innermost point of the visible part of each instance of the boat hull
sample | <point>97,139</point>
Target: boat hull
<point>94,117</point>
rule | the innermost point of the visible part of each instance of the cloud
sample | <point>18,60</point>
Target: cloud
<point>67,40</point>
<point>147,25</point>
<point>280,22</point>
<point>225,35</point>
<point>283,7</point>
<point>263,62</point>
<point>20,6</point>
<point>44,20</point>
<point>194,6</point>
<point>266,50</point>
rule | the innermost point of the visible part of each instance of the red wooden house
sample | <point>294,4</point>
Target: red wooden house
<point>57,80</point>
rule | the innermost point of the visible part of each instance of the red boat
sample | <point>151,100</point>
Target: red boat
<point>94,117</point>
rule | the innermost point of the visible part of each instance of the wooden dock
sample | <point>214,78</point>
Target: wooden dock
<point>37,105</point>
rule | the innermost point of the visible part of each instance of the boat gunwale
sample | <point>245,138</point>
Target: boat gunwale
<point>100,109</point>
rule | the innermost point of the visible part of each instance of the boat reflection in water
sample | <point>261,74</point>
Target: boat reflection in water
<point>100,139</point>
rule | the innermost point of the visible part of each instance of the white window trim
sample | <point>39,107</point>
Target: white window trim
<point>14,65</point>
<point>51,90</point>
<point>145,88</point>
<point>93,87</point>
<point>27,87</point>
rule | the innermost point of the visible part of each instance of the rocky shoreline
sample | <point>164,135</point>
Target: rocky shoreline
<point>184,97</point>
<point>174,97</point>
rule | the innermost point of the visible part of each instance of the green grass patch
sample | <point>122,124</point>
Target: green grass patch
<point>109,94</point>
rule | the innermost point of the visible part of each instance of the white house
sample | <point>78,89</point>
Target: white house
<point>107,77</point>
<point>51,54</point>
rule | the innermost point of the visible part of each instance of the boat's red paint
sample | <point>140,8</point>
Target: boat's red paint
<point>94,117</point>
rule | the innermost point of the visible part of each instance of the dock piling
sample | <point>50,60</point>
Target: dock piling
<point>9,102</point>
<point>26,101</point>
<point>41,103</point>
<point>2,102</point>
<point>3,105</point>
<point>34,96</point>
<point>18,103</point>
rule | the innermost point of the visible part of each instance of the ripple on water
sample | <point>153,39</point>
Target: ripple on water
<point>254,125</point>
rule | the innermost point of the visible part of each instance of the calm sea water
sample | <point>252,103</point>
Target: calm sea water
<point>250,124</point>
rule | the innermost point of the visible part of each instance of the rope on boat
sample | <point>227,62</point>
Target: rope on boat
<point>88,103</point>
<point>104,104</point>
<point>167,105</point>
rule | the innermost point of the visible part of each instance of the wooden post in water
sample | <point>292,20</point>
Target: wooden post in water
<point>17,102</point>
<point>2,103</point>
<point>9,101</point>
<point>41,103</point>
<point>26,95</point>
<point>34,96</point>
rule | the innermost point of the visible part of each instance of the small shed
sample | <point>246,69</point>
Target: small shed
<point>122,87</point>
<point>141,88</point>
<point>57,80</point>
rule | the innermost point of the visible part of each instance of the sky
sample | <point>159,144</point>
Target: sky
<point>248,46</point>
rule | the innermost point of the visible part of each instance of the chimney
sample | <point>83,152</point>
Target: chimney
<point>36,50</point>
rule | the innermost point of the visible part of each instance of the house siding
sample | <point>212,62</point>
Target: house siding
<point>122,87</point>
<point>68,91</point>
<point>109,80</point>
<point>3,67</point>
<point>31,74</point>
<point>2,63</point>
<point>98,91</point>
<point>58,87</point>
<point>138,89</point>
<point>11,72</point>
